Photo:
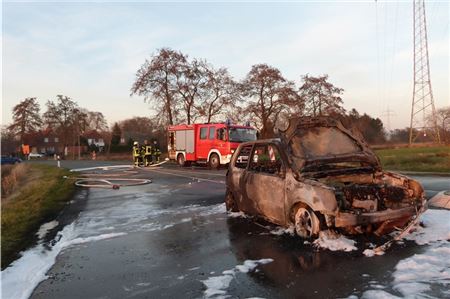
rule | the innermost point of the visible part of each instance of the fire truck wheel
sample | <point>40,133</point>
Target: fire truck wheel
<point>214,161</point>
<point>180,160</point>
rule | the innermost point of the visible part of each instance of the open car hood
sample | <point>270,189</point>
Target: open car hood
<point>322,140</point>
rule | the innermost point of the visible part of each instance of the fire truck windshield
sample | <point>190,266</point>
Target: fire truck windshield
<point>241,134</point>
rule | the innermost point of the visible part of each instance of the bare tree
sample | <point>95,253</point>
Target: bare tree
<point>156,80</point>
<point>268,94</point>
<point>79,125</point>
<point>443,115</point>
<point>321,97</point>
<point>60,116</point>
<point>96,121</point>
<point>137,128</point>
<point>191,83</point>
<point>26,118</point>
<point>220,92</point>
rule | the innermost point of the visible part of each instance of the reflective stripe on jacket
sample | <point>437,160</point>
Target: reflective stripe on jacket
<point>136,151</point>
<point>148,150</point>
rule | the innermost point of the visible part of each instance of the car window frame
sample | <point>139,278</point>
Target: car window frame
<point>283,162</point>
<point>237,155</point>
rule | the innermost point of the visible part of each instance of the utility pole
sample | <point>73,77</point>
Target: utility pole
<point>388,113</point>
<point>423,112</point>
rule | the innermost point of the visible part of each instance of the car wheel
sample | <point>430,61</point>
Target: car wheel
<point>214,161</point>
<point>180,159</point>
<point>230,202</point>
<point>307,224</point>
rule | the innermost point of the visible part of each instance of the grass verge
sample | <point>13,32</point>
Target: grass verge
<point>424,159</point>
<point>35,202</point>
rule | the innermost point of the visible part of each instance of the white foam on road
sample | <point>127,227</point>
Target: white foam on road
<point>237,215</point>
<point>378,294</point>
<point>371,252</point>
<point>24,274</point>
<point>334,242</point>
<point>425,274</point>
<point>216,286</point>
<point>45,228</point>
<point>436,227</point>
<point>105,218</point>
<point>283,231</point>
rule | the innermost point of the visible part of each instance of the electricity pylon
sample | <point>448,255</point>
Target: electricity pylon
<point>423,112</point>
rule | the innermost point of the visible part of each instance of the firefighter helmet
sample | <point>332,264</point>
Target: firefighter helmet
<point>135,143</point>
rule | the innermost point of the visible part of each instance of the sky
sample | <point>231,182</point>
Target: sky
<point>90,51</point>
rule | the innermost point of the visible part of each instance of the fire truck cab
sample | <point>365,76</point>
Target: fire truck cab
<point>212,143</point>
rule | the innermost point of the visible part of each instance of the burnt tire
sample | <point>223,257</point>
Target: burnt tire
<point>214,161</point>
<point>307,224</point>
<point>180,160</point>
<point>230,202</point>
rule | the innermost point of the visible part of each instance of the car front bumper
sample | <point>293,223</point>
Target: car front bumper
<point>350,219</point>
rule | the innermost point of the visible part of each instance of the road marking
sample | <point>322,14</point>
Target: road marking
<point>187,176</point>
<point>183,171</point>
<point>106,167</point>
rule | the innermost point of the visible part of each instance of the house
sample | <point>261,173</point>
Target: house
<point>44,142</point>
<point>95,138</point>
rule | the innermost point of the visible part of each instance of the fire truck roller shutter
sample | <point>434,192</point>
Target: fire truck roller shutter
<point>180,139</point>
<point>190,141</point>
<point>185,141</point>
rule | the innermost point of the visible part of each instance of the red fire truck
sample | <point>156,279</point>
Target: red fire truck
<point>212,143</point>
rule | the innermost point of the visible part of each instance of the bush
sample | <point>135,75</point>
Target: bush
<point>120,148</point>
<point>11,176</point>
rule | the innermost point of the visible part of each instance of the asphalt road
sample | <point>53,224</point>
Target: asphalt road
<point>173,239</point>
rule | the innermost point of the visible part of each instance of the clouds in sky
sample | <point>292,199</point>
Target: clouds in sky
<point>91,51</point>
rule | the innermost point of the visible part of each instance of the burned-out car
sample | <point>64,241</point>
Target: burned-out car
<point>319,175</point>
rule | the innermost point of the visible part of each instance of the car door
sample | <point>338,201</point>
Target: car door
<point>265,182</point>
<point>236,180</point>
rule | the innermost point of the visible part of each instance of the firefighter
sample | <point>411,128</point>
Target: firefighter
<point>147,153</point>
<point>142,152</point>
<point>156,152</point>
<point>136,154</point>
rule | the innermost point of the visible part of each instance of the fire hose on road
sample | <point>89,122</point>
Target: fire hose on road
<point>110,180</point>
<point>107,183</point>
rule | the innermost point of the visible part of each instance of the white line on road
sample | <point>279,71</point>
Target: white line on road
<point>192,171</point>
<point>187,176</point>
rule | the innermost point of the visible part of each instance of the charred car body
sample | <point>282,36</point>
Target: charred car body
<point>320,175</point>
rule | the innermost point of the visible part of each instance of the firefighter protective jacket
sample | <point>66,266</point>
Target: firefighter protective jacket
<point>136,151</point>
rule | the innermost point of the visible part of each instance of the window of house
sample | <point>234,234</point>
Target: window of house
<point>243,156</point>
<point>212,131</point>
<point>56,139</point>
<point>266,159</point>
<point>203,133</point>
<point>46,139</point>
